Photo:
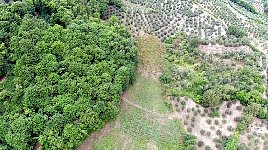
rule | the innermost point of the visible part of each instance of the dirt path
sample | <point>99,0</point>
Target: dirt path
<point>159,115</point>
<point>87,144</point>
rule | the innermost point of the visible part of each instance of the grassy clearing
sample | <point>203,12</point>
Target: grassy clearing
<point>140,130</point>
<point>147,93</point>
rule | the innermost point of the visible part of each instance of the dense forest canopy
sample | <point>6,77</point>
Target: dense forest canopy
<point>62,70</point>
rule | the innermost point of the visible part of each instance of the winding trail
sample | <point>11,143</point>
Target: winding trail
<point>170,116</point>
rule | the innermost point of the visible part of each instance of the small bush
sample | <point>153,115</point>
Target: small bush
<point>183,102</point>
<point>200,143</point>
<point>229,104</point>
<point>212,127</point>
<point>189,129</point>
<point>237,119</point>
<point>188,110</point>
<point>207,148</point>
<point>216,122</point>
<point>187,116</point>
<point>202,132</point>
<point>228,112</point>
<point>165,78</point>
<point>239,108</point>
<point>218,146</point>
<point>218,132</point>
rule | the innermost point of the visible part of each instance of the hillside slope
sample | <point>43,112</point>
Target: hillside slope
<point>218,126</point>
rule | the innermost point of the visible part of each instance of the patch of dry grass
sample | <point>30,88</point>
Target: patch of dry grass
<point>150,52</point>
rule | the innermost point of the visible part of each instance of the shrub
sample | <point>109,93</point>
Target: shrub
<point>218,146</point>
<point>194,41</point>
<point>230,128</point>
<point>189,141</point>
<point>239,108</point>
<point>187,116</point>
<point>189,129</point>
<point>202,132</point>
<point>216,122</point>
<point>229,104</point>
<point>237,119</point>
<point>200,143</point>
<point>228,111</point>
<point>236,31</point>
<point>218,132</point>
<point>183,102</point>
<point>207,148</point>
<point>165,78</point>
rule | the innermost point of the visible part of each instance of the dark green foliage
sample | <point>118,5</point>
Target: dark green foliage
<point>194,41</point>
<point>215,96</point>
<point>189,141</point>
<point>263,113</point>
<point>236,31</point>
<point>64,72</point>
<point>165,78</point>
<point>231,143</point>
<point>246,4</point>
